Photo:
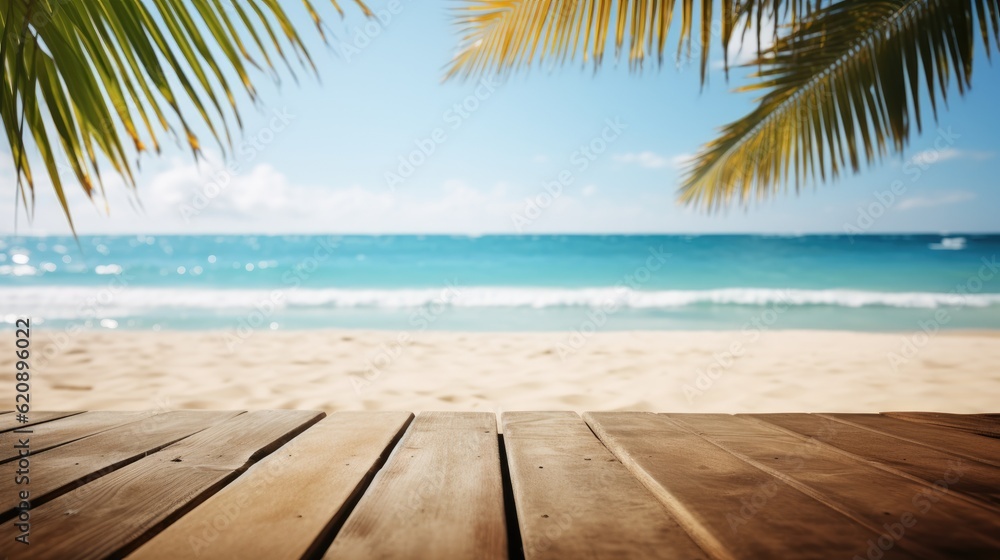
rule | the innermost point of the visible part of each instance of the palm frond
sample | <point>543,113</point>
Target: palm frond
<point>843,87</point>
<point>502,36</point>
<point>97,80</point>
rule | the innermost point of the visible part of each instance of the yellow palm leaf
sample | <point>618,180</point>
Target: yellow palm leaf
<point>502,36</point>
<point>841,82</point>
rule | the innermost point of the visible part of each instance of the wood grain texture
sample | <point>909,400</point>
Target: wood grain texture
<point>73,465</point>
<point>439,495</point>
<point>64,430</point>
<point>941,524</point>
<point>9,422</point>
<point>277,484</point>
<point>982,424</point>
<point>979,481</point>
<point>575,500</point>
<point>284,506</point>
<point>122,509</point>
<point>971,446</point>
<point>731,508</point>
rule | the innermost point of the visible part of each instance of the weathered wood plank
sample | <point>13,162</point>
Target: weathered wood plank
<point>976,447</point>
<point>285,505</point>
<point>978,481</point>
<point>71,466</point>
<point>914,516</point>
<point>982,424</point>
<point>575,500</point>
<point>731,508</point>
<point>439,495</point>
<point>123,509</point>
<point>8,423</point>
<point>64,430</point>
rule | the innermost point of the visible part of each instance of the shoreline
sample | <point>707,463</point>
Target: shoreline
<point>658,371</point>
<point>961,331</point>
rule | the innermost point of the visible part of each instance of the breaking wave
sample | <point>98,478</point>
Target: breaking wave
<point>75,301</point>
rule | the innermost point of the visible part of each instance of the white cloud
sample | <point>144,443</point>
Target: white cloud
<point>681,161</point>
<point>644,159</point>
<point>185,197</point>
<point>262,199</point>
<point>930,157</point>
<point>743,47</point>
<point>943,199</point>
<point>259,191</point>
<point>651,160</point>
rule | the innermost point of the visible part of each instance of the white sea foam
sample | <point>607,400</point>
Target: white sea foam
<point>106,269</point>
<point>18,270</point>
<point>68,302</point>
<point>949,244</point>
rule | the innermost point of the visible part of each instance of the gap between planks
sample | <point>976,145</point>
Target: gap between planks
<point>292,503</point>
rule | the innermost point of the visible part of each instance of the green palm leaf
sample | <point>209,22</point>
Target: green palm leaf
<point>842,88</point>
<point>98,80</point>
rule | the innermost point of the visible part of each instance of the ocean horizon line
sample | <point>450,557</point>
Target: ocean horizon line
<point>473,235</point>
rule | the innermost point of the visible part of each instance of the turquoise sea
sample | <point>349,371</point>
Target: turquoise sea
<point>502,283</point>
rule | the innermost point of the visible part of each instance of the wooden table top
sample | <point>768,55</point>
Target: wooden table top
<point>281,484</point>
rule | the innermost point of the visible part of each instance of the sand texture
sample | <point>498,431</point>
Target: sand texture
<point>729,371</point>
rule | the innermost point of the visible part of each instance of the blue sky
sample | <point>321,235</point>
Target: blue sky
<point>322,164</point>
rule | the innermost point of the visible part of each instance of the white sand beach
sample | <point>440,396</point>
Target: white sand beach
<point>728,371</point>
